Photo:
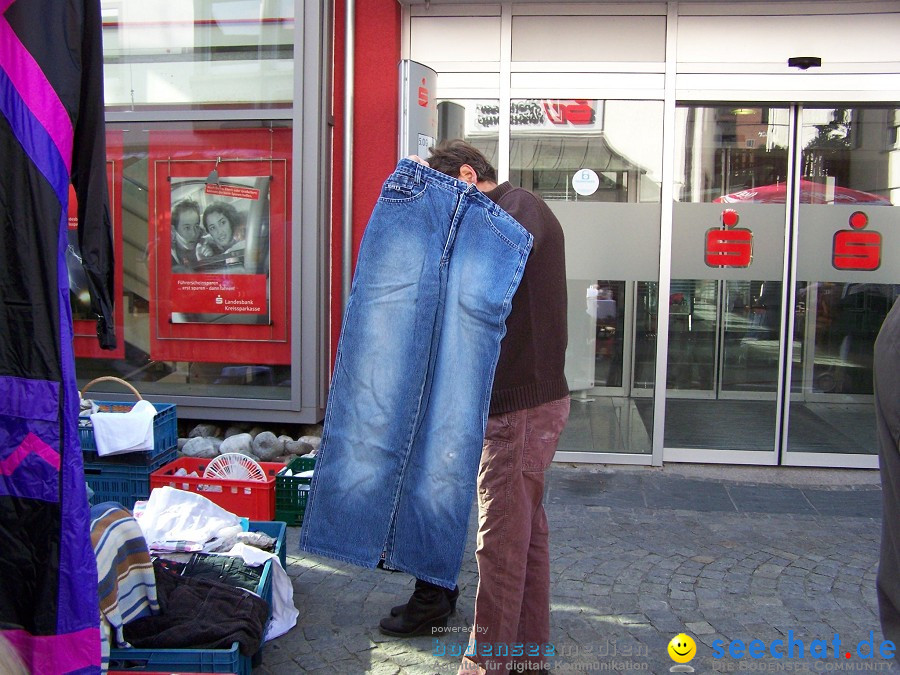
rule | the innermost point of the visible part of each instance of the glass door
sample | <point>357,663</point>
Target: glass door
<point>728,267</point>
<point>847,278</point>
<point>779,207</point>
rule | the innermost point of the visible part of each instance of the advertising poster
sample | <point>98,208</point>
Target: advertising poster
<point>220,250</point>
<point>220,246</point>
<point>84,323</point>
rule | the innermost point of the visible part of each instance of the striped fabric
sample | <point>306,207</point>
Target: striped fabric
<point>126,584</point>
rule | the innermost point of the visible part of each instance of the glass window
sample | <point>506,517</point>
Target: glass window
<point>202,53</point>
<point>598,164</point>
<point>475,121</point>
<point>201,213</point>
<point>552,139</point>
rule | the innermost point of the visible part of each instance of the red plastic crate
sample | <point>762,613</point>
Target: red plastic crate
<point>251,499</point>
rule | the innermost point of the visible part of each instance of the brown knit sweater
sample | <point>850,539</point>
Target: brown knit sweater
<point>533,352</point>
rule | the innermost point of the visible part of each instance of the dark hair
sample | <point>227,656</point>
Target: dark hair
<point>449,156</point>
<point>181,207</point>
<point>226,210</point>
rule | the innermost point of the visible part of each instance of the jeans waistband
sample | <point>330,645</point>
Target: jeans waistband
<point>420,172</point>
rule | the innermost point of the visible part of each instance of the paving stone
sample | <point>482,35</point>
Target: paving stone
<point>620,581</point>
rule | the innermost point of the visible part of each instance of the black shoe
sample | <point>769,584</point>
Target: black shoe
<point>451,596</point>
<point>428,608</point>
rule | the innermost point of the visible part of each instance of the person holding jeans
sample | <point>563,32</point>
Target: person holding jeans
<point>438,266</point>
<point>529,408</point>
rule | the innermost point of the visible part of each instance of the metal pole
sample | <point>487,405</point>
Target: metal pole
<point>349,52</point>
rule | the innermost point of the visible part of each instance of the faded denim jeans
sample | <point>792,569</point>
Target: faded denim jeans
<point>512,603</point>
<point>395,477</point>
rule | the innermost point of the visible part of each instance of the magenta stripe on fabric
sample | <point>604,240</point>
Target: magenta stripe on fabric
<point>4,4</point>
<point>34,88</point>
<point>56,653</point>
<point>30,445</point>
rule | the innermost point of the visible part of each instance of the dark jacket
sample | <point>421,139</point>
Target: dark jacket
<point>533,352</point>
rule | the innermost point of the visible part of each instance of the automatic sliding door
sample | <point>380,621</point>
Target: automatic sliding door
<point>735,390</point>
<point>728,258</point>
<point>848,276</point>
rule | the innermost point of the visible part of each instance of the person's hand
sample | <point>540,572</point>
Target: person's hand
<point>418,159</point>
<point>204,250</point>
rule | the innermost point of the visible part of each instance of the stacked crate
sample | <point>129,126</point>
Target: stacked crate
<point>125,478</point>
<point>202,660</point>
<point>248,498</point>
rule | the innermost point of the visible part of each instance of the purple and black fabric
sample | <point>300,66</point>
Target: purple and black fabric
<point>51,134</point>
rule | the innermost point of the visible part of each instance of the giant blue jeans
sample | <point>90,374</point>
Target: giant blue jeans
<point>395,476</point>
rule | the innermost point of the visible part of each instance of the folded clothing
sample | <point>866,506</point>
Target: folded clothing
<point>200,614</point>
<point>225,568</point>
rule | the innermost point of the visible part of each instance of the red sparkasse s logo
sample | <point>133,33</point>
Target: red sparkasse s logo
<point>423,94</point>
<point>855,249</point>
<point>575,112</point>
<point>729,246</point>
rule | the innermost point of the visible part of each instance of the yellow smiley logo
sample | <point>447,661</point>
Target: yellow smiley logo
<point>682,648</point>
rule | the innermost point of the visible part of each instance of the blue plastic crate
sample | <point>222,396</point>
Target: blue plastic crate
<point>165,435</point>
<point>277,530</point>
<point>264,590</point>
<point>181,660</point>
<point>195,660</point>
<point>123,483</point>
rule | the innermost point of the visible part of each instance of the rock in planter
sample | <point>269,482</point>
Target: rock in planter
<point>202,447</point>
<point>233,431</point>
<point>312,441</point>
<point>242,443</point>
<point>204,430</point>
<point>300,447</point>
<point>267,446</point>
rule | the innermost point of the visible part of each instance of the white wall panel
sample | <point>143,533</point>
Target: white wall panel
<point>455,38</point>
<point>772,39</point>
<point>589,38</point>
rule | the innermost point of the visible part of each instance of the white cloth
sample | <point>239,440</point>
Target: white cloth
<point>188,521</point>
<point>172,515</point>
<point>116,433</point>
<point>284,611</point>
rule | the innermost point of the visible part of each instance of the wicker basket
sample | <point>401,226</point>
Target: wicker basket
<point>165,430</point>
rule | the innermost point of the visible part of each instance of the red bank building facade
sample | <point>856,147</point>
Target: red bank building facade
<point>727,175</point>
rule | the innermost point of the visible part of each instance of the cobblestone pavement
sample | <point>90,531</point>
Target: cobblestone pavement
<point>639,555</point>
